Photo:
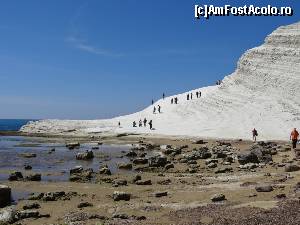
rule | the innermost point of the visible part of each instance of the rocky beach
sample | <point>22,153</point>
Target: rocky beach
<point>142,179</point>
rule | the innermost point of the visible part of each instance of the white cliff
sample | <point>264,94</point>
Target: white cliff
<point>263,92</point>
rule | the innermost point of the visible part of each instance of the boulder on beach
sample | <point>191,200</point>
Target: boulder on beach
<point>121,196</point>
<point>291,168</point>
<point>76,169</point>
<point>36,196</point>
<point>53,196</point>
<point>119,182</point>
<point>27,167</point>
<point>87,155</point>
<point>158,161</point>
<point>172,152</point>
<point>104,170</point>
<point>136,178</point>
<point>25,214</point>
<point>200,153</point>
<point>160,194</point>
<point>7,215</point>
<point>34,177</point>
<point>224,170</point>
<point>169,166</point>
<point>218,198</point>
<point>15,176</point>
<point>264,188</point>
<point>247,157</point>
<point>131,154</point>
<point>143,182</point>
<point>78,174</point>
<point>73,145</point>
<point>27,155</point>
<point>140,161</point>
<point>125,166</point>
<point>34,205</point>
<point>199,142</point>
<point>84,205</point>
<point>5,195</point>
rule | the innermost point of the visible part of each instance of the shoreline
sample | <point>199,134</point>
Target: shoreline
<point>112,136</point>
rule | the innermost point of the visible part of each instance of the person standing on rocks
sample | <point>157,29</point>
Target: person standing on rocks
<point>145,122</point>
<point>154,110</point>
<point>294,137</point>
<point>150,124</point>
<point>172,100</point>
<point>140,123</point>
<point>134,124</point>
<point>197,94</point>
<point>191,96</point>
<point>254,134</point>
<point>159,108</point>
<point>188,97</point>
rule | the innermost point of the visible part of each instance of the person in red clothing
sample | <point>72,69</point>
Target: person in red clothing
<point>294,137</point>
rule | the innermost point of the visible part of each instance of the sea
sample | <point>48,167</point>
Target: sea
<point>13,124</point>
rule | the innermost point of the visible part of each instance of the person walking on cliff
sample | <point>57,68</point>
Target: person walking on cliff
<point>197,94</point>
<point>159,108</point>
<point>154,110</point>
<point>294,137</point>
<point>172,100</point>
<point>145,122</point>
<point>176,100</point>
<point>188,97</point>
<point>191,96</point>
<point>150,124</point>
<point>254,134</point>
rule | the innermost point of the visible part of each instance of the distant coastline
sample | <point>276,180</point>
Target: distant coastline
<point>13,124</point>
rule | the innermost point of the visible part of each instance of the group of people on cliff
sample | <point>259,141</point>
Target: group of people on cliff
<point>158,109</point>
<point>190,95</point>
<point>143,123</point>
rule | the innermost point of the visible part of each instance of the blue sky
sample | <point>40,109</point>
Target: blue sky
<point>97,59</point>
